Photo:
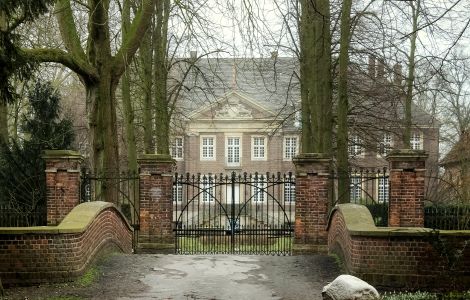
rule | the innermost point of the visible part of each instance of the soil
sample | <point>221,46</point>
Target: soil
<point>160,276</point>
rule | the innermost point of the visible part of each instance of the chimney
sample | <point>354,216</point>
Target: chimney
<point>193,55</point>
<point>371,66</point>
<point>397,72</point>
<point>380,68</point>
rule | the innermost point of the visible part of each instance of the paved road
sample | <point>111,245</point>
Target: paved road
<point>200,277</point>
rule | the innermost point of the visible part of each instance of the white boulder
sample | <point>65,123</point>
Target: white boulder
<point>347,287</point>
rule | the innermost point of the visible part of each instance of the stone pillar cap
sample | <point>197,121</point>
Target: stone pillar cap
<point>156,158</point>
<point>311,157</point>
<point>69,154</point>
<point>407,155</point>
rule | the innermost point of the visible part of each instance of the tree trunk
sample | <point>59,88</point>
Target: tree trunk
<point>146,75</point>
<point>126,99</point>
<point>411,74</point>
<point>343,105</point>
<point>162,119</point>
<point>315,44</point>
<point>3,122</point>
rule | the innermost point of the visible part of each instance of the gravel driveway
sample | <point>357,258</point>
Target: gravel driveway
<point>150,276</point>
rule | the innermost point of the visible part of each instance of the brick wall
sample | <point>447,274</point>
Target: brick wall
<point>398,258</point>
<point>156,206</point>
<point>407,187</point>
<point>312,200</point>
<point>52,254</point>
<point>62,183</point>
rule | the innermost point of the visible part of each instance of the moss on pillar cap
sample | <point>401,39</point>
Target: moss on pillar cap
<point>156,158</point>
<point>51,154</point>
<point>311,157</point>
<point>407,154</point>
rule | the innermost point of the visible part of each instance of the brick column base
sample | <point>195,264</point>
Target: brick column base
<point>312,202</point>
<point>407,172</point>
<point>156,207</point>
<point>62,183</point>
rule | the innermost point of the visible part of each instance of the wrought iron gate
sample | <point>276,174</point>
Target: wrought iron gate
<point>235,214</point>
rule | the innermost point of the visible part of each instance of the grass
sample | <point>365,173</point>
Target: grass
<point>426,296</point>
<point>222,244</point>
<point>89,277</point>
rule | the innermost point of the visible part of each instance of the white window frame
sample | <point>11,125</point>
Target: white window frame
<point>177,192</point>
<point>289,192</point>
<point>175,147</point>
<point>207,188</point>
<point>355,147</point>
<point>355,188</point>
<point>416,145</point>
<point>256,149</point>
<point>213,146</point>
<point>259,190</point>
<point>385,145</point>
<point>288,155</point>
<point>383,189</point>
<point>233,163</point>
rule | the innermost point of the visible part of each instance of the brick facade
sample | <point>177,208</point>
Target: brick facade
<point>406,259</point>
<point>156,207</point>
<point>312,202</point>
<point>407,187</point>
<point>62,183</point>
<point>34,255</point>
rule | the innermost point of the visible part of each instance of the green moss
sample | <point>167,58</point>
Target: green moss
<point>89,277</point>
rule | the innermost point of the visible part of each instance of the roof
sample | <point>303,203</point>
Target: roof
<point>459,152</point>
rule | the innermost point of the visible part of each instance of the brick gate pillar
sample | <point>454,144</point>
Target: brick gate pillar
<point>312,200</point>
<point>62,183</point>
<point>406,203</point>
<point>156,207</point>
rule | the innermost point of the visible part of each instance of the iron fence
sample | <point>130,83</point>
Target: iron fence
<point>123,188</point>
<point>369,187</point>
<point>234,213</point>
<point>449,217</point>
<point>15,216</point>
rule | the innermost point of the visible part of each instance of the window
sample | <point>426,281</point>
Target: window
<point>259,190</point>
<point>290,147</point>
<point>386,144</point>
<point>258,146</point>
<point>207,188</point>
<point>416,141</point>
<point>383,189</point>
<point>177,192</point>
<point>355,146</point>
<point>233,151</point>
<point>207,147</point>
<point>289,192</point>
<point>355,189</point>
<point>176,148</point>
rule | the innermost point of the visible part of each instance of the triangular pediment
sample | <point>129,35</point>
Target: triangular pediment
<point>233,106</point>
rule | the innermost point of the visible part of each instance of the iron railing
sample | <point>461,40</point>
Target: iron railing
<point>369,187</point>
<point>234,213</point>
<point>449,217</point>
<point>14,216</point>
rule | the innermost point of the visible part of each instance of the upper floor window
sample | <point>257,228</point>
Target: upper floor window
<point>258,146</point>
<point>290,147</point>
<point>259,190</point>
<point>177,192</point>
<point>233,151</point>
<point>383,189</point>
<point>289,192</point>
<point>385,145</point>
<point>355,189</point>
<point>176,148</point>
<point>355,146</point>
<point>416,141</point>
<point>207,147</point>
<point>207,188</point>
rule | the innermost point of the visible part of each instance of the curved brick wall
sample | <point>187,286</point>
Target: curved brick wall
<point>60,253</point>
<point>408,258</point>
